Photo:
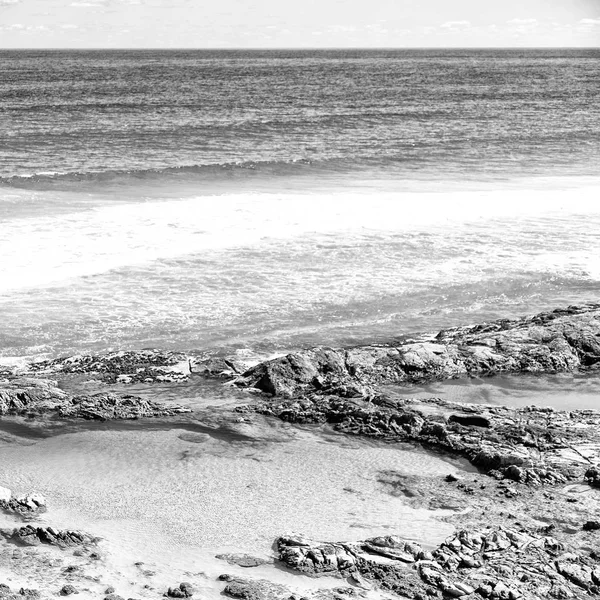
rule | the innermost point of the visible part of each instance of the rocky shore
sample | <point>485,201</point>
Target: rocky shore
<point>526,519</point>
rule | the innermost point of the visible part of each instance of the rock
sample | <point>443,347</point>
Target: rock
<point>110,590</point>
<point>68,589</point>
<point>591,526</point>
<point>145,366</point>
<point>242,560</point>
<point>23,396</point>
<point>494,562</point>
<point>221,368</point>
<point>185,590</point>
<point>560,341</point>
<point>30,535</point>
<point>26,506</point>
<point>113,597</point>
<point>255,589</point>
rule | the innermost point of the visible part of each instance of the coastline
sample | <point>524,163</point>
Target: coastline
<point>536,484</point>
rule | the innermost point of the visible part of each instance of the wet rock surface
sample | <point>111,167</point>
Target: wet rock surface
<point>242,560</point>
<point>563,340</point>
<point>35,397</point>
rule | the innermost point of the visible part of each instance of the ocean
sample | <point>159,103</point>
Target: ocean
<point>261,201</point>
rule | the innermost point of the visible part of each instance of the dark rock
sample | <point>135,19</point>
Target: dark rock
<point>110,590</point>
<point>469,420</point>
<point>68,589</point>
<point>185,590</point>
<point>113,597</point>
<point>591,526</point>
<point>33,536</point>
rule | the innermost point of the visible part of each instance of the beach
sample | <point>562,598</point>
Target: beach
<point>335,324</point>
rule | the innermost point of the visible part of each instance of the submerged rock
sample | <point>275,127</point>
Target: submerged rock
<point>242,560</point>
<point>559,341</point>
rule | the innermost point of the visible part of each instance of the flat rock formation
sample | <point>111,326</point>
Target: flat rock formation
<point>145,366</point>
<point>564,340</point>
<point>494,562</point>
<point>37,397</point>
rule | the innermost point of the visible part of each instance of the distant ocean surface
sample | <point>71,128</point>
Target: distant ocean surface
<point>261,201</point>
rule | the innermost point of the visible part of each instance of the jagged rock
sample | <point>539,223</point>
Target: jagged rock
<point>26,396</point>
<point>496,562</point>
<point>560,341</point>
<point>184,590</point>
<point>26,506</point>
<point>30,535</point>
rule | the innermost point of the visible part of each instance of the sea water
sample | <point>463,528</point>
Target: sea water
<point>255,203</point>
<point>264,201</point>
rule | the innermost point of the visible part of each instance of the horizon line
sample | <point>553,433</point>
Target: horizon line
<point>306,48</point>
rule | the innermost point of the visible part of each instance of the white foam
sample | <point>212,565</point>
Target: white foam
<point>41,251</point>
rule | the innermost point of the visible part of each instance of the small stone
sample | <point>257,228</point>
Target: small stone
<point>450,478</point>
<point>109,590</point>
<point>68,589</point>
<point>591,526</point>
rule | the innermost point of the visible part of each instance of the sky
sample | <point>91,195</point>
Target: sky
<point>297,24</point>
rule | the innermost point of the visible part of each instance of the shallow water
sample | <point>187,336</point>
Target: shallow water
<point>563,391</point>
<point>176,497</point>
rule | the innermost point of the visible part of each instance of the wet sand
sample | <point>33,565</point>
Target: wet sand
<point>172,496</point>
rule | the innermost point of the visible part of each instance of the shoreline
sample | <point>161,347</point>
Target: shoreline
<point>537,481</point>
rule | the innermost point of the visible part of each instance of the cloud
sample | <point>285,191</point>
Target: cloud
<point>456,25</point>
<point>8,2</point>
<point>591,22</point>
<point>522,21</point>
